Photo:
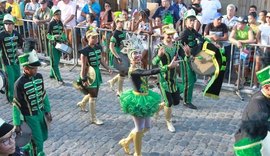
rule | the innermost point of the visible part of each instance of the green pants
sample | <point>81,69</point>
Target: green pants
<point>111,56</point>
<point>13,73</point>
<point>55,56</point>
<point>39,130</point>
<point>189,79</point>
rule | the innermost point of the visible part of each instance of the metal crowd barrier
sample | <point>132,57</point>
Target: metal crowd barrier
<point>151,40</point>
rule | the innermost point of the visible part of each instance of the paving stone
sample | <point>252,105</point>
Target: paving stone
<point>204,132</point>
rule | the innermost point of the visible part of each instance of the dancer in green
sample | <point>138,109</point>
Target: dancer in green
<point>115,44</point>
<point>56,35</point>
<point>140,102</point>
<point>10,41</point>
<point>31,102</point>
<point>167,80</point>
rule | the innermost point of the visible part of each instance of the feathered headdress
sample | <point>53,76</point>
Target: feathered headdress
<point>167,19</point>
<point>131,44</point>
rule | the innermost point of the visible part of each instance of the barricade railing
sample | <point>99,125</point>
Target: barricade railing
<point>30,29</point>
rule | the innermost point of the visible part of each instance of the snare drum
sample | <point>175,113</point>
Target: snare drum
<point>202,62</point>
<point>3,81</point>
<point>63,48</point>
<point>25,136</point>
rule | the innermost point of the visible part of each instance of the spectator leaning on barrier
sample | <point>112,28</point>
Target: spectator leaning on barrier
<point>230,19</point>
<point>217,31</point>
<point>263,53</point>
<point>68,12</point>
<point>30,9</point>
<point>241,36</point>
<point>10,50</point>
<point>31,102</point>
<point>43,14</point>
<point>55,35</point>
<point>16,13</point>
<point>92,7</point>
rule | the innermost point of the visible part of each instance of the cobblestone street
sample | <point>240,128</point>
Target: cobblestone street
<point>207,131</point>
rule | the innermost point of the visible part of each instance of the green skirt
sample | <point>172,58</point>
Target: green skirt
<point>140,105</point>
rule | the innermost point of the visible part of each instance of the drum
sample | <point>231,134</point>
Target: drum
<point>91,76</point>
<point>124,65</point>
<point>63,48</point>
<point>25,136</point>
<point>3,81</point>
<point>202,62</point>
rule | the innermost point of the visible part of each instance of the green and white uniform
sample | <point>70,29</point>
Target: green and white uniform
<point>10,42</point>
<point>31,102</point>
<point>55,28</point>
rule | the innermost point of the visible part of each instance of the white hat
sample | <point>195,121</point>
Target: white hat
<point>8,18</point>
<point>29,59</point>
<point>190,13</point>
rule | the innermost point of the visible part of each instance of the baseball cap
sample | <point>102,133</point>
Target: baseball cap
<point>243,19</point>
<point>218,15</point>
<point>43,1</point>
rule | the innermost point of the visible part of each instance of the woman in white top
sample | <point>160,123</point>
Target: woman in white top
<point>263,54</point>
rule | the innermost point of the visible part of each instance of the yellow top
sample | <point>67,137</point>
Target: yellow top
<point>16,13</point>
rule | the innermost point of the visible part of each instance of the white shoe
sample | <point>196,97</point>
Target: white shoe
<point>170,127</point>
<point>97,122</point>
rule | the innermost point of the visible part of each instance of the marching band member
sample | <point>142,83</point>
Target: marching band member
<point>7,138</point>
<point>140,102</point>
<point>168,82</point>
<point>31,102</point>
<point>251,138</point>
<point>55,34</point>
<point>91,59</point>
<point>10,41</point>
<point>188,37</point>
<point>115,47</point>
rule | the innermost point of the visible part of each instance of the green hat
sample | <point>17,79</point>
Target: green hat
<point>264,75</point>
<point>190,13</point>
<point>55,9</point>
<point>29,59</point>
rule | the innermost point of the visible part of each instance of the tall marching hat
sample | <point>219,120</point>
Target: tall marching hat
<point>29,59</point>
<point>264,75</point>
<point>5,128</point>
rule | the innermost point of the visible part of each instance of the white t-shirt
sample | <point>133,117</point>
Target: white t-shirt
<point>66,11</point>
<point>81,4</point>
<point>265,34</point>
<point>209,9</point>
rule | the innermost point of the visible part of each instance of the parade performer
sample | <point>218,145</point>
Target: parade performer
<point>55,35</point>
<point>91,59</point>
<point>140,102</point>
<point>31,102</point>
<point>115,48</point>
<point>10,41</point>
<point>7,138</point>
<point>253,137</point>
<point>167,80</point>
